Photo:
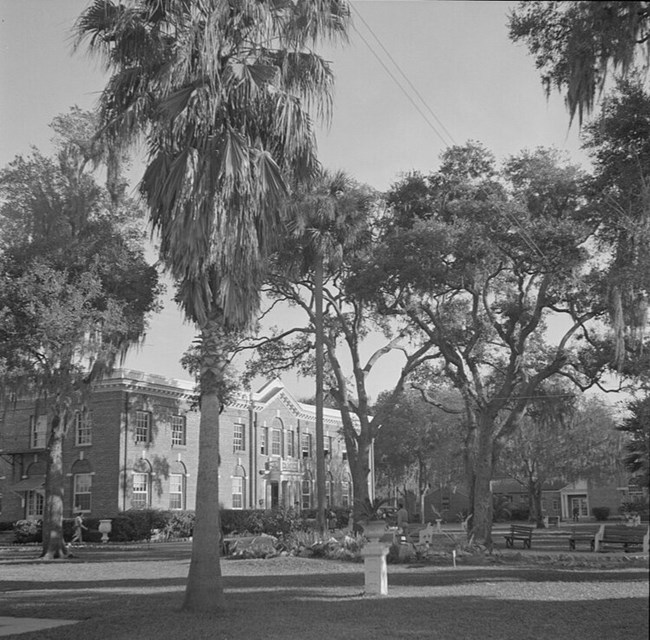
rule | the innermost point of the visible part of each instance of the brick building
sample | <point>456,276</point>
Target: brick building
<point>137,447</point>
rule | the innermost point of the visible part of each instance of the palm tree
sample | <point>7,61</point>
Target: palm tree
<point>221,91</point>
<point>325,223</point>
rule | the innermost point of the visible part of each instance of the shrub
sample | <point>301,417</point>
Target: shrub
<point>235,521</point>
<point>26,531</point>
<point>138,524</point>
<point>6,526</point>
<point>600,513</point>
<point>520,512</point>
<point>180,524</point>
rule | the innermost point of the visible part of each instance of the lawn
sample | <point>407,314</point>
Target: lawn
<point>137,592</point>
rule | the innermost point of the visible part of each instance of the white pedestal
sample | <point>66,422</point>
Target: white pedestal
<point>375,570</point>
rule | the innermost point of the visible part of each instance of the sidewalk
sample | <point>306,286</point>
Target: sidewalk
<point>11,626</point>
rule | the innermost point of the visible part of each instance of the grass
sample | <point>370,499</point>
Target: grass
<point>137,593</point>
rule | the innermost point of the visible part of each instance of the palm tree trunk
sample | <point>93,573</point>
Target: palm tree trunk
<point>320,450</point>
<point>53,543</point>
<point>204,590</point>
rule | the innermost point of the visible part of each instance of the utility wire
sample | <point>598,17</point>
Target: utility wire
<point>406,78</point>
<point>398,83</point>
<point>525,236</point>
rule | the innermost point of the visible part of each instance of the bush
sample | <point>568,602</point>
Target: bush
<point>520,512</point>
<point>138,524</point>
<point>180,524</point>
<point>26,531</point>
<point>6,526</point>
<point>235,521</point>
<point>600,513</point>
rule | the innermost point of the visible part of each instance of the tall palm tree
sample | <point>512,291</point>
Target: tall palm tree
<point>222,92</point>
<point>324,224</point>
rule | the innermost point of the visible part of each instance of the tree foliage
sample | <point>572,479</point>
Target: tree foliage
<point>479,267</point>
<point>223,93</point>
<point>419,445</point>
<point>341,216</point>
<point>637,449</point>
<point>577,44</point>
<point>76,289</point>
<point>562,438</point>
<point>619,142</point>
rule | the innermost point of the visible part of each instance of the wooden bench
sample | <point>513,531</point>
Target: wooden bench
<point>519,532</point>
<point>623,535</point>
<point>583,534</point>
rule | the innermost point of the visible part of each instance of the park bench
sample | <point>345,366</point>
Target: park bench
<point>519,532</point>
<point>583,534</point>
<point>621,534</point>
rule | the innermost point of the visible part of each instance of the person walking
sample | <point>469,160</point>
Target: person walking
<point>79,527</point>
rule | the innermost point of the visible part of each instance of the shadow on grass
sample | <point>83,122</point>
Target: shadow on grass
<point>285,615</point>
<point>429,578</point>
<point>489,602</point>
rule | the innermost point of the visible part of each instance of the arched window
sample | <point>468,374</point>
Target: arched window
<point>305,501</point>
<point>82,486</point>
<point>177,486</point>
<point>329,490</point>
<point>276,437</point>
<point>346,490</point>
<point>238,488</point>
<point>141,485</point>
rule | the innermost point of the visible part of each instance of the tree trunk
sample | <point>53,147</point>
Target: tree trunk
<point>480,525</point>
<point>359,460</point>
<point>535,503</point>
<point>53,543</point>
<point>320,451</point>
<point>204,590</point>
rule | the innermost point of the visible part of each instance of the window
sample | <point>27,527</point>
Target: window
<point>345,493</point>
<point>344,454</point>
<point>140,498</point>
<point>35,502</point>
<point>263,444</point>
<point>238,492</point>
<point>83,433</point>
<point>306,493</point>
<point>37,431</point>
<point>238,438</point>
<point>82,485</point>
<point>327,446</point>
<point>276,442</point>
<point>176,490</point>
<point>556,506</point>
<point>291,452</point>
<point>306,445</point>
<point>329,482</point>
<point>142,427</point>
<point>178,430</point>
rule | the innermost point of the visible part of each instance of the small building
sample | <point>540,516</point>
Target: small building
<point>136,447</point>
<point>563,500</point>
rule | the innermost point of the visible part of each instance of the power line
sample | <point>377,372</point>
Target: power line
<point>406,78</point>
<point>401,87</point>
<point>523,233</point>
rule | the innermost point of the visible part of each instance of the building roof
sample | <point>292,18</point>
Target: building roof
<point>258,401</point>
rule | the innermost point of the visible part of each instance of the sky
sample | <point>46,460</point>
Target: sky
<point>468,80</point>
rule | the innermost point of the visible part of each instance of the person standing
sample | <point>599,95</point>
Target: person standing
<point>402,518</point>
